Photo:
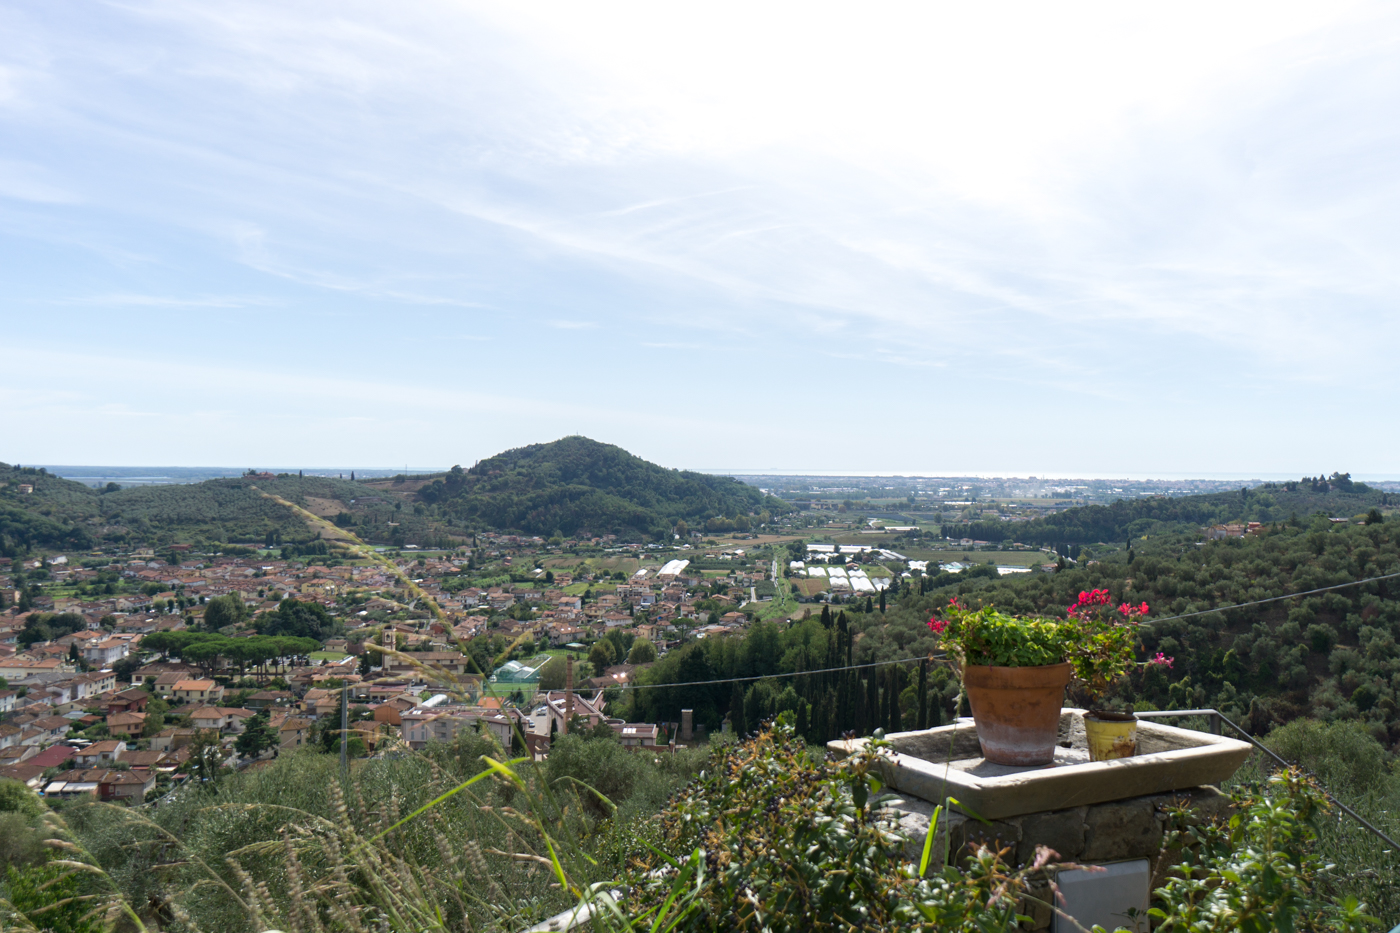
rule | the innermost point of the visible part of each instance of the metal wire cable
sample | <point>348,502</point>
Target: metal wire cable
<point>824,670</point>
<point>1273,599</point>
<point>856,667</point>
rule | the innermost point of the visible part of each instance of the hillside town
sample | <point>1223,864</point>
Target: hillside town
<point>422,646</point>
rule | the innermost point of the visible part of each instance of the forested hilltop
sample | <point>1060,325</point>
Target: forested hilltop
<point>565,487</point>
<point>1336,495</point>
<point>39,510</point>
<point>578,484</point>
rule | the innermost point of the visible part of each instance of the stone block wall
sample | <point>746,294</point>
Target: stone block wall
<point>1108,832</point>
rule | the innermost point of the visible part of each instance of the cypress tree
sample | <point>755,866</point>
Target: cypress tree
<point>921,714</point>
<point>896,714</point>
<point>826,617</point>
<point>882,602</point>
<point>891,704</point>
<point>873,719</point>
<point>736,712</point>
<point>802,719</point>
<point>846,634</point>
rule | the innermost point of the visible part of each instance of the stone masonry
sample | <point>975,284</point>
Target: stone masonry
<point>1108,832</point>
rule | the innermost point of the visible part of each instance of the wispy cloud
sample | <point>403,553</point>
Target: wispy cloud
<point>28,182</point>
<point>961,201</point>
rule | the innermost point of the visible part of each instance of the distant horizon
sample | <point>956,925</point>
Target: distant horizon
<point>70,471</point>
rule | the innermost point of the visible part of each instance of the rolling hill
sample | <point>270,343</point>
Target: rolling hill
<point>55,513</point>
<point>577,484</point>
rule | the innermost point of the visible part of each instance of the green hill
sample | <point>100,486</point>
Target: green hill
<point>60,514</point>
<point>577,484</point>
<point>1336,495</point>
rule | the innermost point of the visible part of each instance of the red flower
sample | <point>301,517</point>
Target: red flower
<point>938,625</point>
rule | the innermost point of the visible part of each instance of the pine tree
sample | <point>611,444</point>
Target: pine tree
<point>257,736</point>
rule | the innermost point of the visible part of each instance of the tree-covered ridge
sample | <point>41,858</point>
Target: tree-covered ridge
<point>60,513</point>
<point>1332,655</point>
<point>1336,495</point>
<point>578,484</point>
<point>40,510</point>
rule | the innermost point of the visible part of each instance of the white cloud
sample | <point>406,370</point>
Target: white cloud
<point>1002,201</point>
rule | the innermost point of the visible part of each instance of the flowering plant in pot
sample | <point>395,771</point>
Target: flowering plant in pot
<point>1015,668</point>
<point>1014,673</point>
<point>1102,653</point>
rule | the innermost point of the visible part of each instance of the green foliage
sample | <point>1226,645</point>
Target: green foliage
<point>553,674</point>
<point>23,529</point>
<point>58,513</point>
<point>52,899</point>
<point>297,619</point>
<point>1263,665</point>
<point>46,626</point>
<point>577,484</point>
<point>988,637</point>
<point>1260,873</point>
<point>257,736</point>
<point>226,610</point>
<point>602,655</point>
<point>772,838</point>
<point>21,835</point>
<point>1131,518</point>
<point>211,652</point>
<point>642,652</point>
<point>15,797</point>
<point>635,783</point>
<point>1358,771</point>
<point>254,850</point>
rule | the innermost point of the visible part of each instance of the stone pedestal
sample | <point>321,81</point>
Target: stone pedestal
<point>1106,832</point>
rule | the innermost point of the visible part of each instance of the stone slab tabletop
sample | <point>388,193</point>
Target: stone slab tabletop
<point>934,764</point>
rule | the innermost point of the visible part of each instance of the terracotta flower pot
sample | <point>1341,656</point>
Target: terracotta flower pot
<point>1017,711</point>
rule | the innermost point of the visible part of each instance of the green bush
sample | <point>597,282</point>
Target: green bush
<point>1260,872</point>
<point>774,838</point>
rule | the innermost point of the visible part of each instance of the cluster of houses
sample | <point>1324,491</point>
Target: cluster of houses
<point>57,692</point>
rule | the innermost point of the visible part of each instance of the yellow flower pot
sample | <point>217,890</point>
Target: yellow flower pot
<point>1110,735</point>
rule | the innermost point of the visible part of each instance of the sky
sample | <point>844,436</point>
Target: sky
<point>1069,239</point>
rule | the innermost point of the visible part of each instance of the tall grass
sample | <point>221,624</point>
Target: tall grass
<point>452,838</point>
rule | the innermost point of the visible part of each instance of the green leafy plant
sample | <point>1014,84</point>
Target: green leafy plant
<point>1097,640</point>
<point>1258,872</point>
<point>774,838</point>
